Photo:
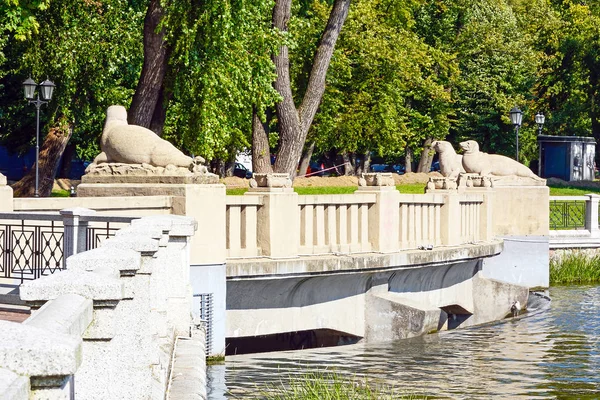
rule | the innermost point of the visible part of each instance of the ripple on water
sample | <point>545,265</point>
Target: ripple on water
<point>553,354</point>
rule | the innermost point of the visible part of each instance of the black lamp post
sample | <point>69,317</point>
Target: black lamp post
<point>516,116</point>
<point>46,89</point>
<point>539,120</point>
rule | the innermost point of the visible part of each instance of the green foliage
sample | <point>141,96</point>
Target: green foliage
<point>386,88</point>
<point>220,68</point>
<point>331,386</point>
<point>91,51</point>
<point>17,20</point>
<point>575,268</point>
<point>402,71</point>
<point>568,38</point>
<point>498,69</point>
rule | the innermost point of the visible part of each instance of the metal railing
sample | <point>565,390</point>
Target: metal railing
<point>567,212</point>
<point>33,244</point>
<point>206,316</point>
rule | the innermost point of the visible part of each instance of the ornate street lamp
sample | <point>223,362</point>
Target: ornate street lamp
<point>516,116</point>
<point>539,120</point>
<point>46,90</point>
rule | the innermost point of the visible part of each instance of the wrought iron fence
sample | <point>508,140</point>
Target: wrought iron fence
<point>103,228</point>
<point>30,250</point>
<point>567,214</point>
<point>32,244</point>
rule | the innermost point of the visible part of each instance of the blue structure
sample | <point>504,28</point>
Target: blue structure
<point>570,158</point>
<point>15,166</point>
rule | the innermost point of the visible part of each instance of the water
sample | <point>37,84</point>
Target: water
<point>552,354</point>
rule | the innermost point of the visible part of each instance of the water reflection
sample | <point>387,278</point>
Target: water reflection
<point>554,354</point>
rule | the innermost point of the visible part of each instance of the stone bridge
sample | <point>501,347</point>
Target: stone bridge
<point>373,265</point>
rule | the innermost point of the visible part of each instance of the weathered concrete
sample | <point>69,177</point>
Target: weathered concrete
<point>122,314</point>
<point>524,262</point>
<point>259,268</point>
<point>376,296</point>
<point>188,374</point>
<point>13,386</point>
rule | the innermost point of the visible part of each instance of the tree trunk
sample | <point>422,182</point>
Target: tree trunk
<point>408,160</point>
<point>67,157</point>
<point>50,152</point>
<point>366,162</point>
<point>305,160</point>
<point>426,157</point>
<point>348,167</point>
<point>149,86</point>
<point>294,124</point>
<point>160,111</point>
<point>355,168</point>
<point>261,152</point>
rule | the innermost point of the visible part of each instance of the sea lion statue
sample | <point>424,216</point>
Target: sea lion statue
<point>133,144</point>
<point>478,162</point>
<point>450,162</point>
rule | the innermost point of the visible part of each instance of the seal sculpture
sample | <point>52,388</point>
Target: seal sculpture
<point>133,144</point>
<point>450,162</point>
<point>478,162</point>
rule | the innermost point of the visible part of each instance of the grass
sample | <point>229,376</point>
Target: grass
<point>565,190</point>
<point>331,386</point>
<point>215,360</point>
<point>60,193</point>
<point>575,268</point>
<point>412,188</point>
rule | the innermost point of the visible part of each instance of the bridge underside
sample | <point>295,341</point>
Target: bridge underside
<point>383,297</point>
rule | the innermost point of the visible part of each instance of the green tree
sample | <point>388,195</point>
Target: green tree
<point>387,90</point>
<point>92,53</point>
<point>498,69</point>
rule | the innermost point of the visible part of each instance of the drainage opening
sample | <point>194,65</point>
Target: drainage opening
<point>297,340</point>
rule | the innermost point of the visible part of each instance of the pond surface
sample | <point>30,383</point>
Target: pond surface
<point>551,354</point>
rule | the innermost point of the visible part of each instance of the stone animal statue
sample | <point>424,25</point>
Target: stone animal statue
<point>133,144</point>
<point>450,162</point>
<point>478,162</point>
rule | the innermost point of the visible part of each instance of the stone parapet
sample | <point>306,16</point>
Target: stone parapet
<point>120,306</point>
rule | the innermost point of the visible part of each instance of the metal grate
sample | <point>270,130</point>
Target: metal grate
<point>30,250</point>
<point>206,316</point>
<point>567,214</point>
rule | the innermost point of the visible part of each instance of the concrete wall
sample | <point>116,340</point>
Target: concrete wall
<point>520,217</point>
<point>524,261</point>
<point>109,322</point>
<point>384,303</point>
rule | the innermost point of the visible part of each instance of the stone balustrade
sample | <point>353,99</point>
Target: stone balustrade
<point>420,220</point>
<point>334,223</point>
<point>106,327</point>
<point>277,223</point>
<point>241,223</point>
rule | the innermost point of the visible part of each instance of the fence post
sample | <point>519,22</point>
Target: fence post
<point>384,214</point>
<point>6,196</point>
<point>450,219</point>
<point>278,220</point>
<point>591,214</point>
<point>75,231</point>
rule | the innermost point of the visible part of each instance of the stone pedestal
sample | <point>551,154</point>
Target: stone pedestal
<point>203,202</point>
<point>278,218</point>
<point>6,196</point>
<point>521,210</point>
<point>384,218</point>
